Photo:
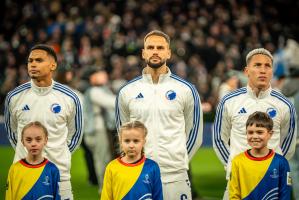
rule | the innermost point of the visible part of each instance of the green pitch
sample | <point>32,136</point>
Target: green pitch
<point>208,175</point>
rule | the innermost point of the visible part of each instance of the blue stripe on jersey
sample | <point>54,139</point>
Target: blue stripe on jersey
<point>117,115</point>
<point>288,140</point>
<point>196,114</point>
<point>78,117</point>
<point>218,122</point>
<point>21,88</point>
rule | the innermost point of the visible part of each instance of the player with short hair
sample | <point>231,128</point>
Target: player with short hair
<point>33,177</point>
<point>132,175</point>
<point>229,138</point>
<point>170,108</point>
<point>54,105</point>
<point>259,173</point>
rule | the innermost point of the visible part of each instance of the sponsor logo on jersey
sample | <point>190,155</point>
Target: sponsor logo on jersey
<point>55,108</point>
<point>271,112</point>
<point>139,96</point>
<point>146,179</point>
<point>46,181</point>
<point>242,111</point>
<point>183,197</point>
<point>274,173</point>
<point>25,108</point>
<point>170,95</point>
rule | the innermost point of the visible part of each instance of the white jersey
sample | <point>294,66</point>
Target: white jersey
<point>229,132</point>
<point>171,111</point>
<point>58,108</point>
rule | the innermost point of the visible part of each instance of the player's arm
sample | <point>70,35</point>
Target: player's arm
<point>11,122</point>
<point>221,133</point>
<point>193,121</point>
<point>75,124</point>
<point>121,110</point>
<point>107,191</point>
<point>234,183</point>
<point>157,185</point>
<point>56,180</point>
<point>9,187</point>
<point>285,181</point>
<point>288,130</point>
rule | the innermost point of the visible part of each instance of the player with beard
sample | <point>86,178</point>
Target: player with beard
<point>171,110</point>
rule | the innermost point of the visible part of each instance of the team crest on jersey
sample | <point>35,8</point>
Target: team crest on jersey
<point>170,95</point>
<point>274,174</point>
<point>271,112</point>
<point>55,108</point>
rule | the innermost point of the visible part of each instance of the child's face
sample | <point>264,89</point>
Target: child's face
<point>258,137</point>
<point>132,142</point>
<point>34,139</point>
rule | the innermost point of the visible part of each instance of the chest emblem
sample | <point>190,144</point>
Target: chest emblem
<point>139,96</point>
<point>271,112</point>
<point>170,95</point>
<point>55,108</point>
<point>242,111</point>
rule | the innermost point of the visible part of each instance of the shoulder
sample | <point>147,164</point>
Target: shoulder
<point>66,91</point>
<point>151,162</point>
<point>183,83</point>
<point>281,98</point>
<point>52,165</point>
<point>281,158</point>
<point>234,94</point>
<point>130,84</point>
<point>18,90</point>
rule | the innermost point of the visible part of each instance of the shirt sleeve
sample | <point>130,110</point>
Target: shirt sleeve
<point>285,181</point>
<point>288,130</point>
<point>10,121</point>
<point>56,180</point>
<point>75,125</point>
<point>221,133</point>
<point>9,190</point>
<point>107,192</point>
<point>157,185</point>
<point>193,122</point>
<point>122,110</point>
<point>234,182</point>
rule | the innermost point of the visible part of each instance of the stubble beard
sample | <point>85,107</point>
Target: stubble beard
<point>155,65</point>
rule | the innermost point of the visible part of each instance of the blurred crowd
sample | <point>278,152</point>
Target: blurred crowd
<point>209,38</point>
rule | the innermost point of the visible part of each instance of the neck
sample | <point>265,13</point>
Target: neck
<point>259,153</point>
<point>42,83</point>
<point>127,159</point>
<point>155,73</point>
<point>34,160</point>
<point>257,91</point>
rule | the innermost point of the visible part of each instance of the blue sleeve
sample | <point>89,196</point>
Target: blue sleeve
<point>285,180</point>
<point>157,185</point>
<point>56,180</point>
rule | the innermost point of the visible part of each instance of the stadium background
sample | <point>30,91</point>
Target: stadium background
<point>209,39</point>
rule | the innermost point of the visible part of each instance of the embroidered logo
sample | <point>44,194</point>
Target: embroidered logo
<point>146,179</point>
<point>183,196</point>
<point>242,111</point>
<point>55,108</point>
<point>25,108</point>
<point>46,181</point>
<point>170,95</point>
<point>271,112</point>
<point>274,173</point>
<point>139,96</point>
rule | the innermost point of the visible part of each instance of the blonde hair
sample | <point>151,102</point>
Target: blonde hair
<point>35,124</point>
<point>258,51</point>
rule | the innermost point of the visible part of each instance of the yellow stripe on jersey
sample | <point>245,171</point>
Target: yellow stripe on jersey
<point>252,172</point>
<point>21,185</point>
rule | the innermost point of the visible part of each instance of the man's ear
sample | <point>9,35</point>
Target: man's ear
<point>53,66</point>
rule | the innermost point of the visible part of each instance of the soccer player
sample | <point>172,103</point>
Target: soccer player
<point>259,173</point>
<point>33,177</point>
<point>229,138</point>
<point>171,110</point>
<point>54,105</point>
<point>132,175</point>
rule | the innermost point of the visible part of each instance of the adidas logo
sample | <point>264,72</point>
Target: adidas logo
<point>139,96</point>
<point>242,111</point>
<point>25,108</point>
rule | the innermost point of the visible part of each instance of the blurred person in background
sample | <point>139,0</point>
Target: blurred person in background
<point>99,129</point>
